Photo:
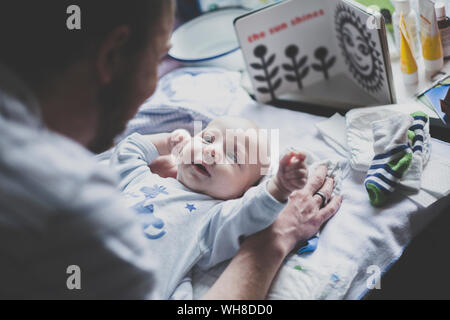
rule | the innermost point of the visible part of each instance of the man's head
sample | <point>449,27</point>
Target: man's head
<point>109,66</point>
<point>225,159</point>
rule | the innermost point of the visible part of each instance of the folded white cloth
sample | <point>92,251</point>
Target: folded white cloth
<point>436,176</point>
<point>360,136</point>
<point>375,131</point>
<point>400,156</point>
<point>334,132</point>
<point>358,143</point>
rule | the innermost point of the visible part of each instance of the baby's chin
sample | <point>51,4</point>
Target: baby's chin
<point>186,178</point>
<point>207,190</point>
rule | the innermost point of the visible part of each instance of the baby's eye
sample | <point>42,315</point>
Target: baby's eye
<point>208,138</point>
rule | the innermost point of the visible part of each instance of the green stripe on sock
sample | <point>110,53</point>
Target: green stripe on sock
<point>377,196</point>
<point>402,164</point>
<point>411,135</point>
<point>419,114</point>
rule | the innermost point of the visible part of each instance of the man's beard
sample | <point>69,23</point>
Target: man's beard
<point>116,103</point>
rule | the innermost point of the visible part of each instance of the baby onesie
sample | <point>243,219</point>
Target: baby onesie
<point>185,228</point>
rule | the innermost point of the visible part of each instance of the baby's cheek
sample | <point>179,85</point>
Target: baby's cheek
<point>190,152</point>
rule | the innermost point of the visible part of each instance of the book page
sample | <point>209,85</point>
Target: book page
<point>358,36</point>
<point>290,47</point>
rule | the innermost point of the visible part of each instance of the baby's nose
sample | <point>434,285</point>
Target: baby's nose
<point>210,154</point>
<point>209,151</point>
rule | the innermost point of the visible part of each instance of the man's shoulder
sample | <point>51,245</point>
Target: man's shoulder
<point>44,166</point>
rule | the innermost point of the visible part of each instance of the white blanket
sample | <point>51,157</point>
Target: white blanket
<point>359,236</point>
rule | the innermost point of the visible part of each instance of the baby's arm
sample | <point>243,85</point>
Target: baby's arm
<point>135,153</point>
<point>232,220</point>
<point>292,175</point>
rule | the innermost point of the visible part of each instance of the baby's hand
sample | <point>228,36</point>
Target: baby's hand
<point>177,140</point>
<point>164,167</point>
<point>292,175</point>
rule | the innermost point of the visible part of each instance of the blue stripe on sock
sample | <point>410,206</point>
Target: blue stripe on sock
<point>390,153</point>
<point>386,167</point>
<point>424,119</point>
<point>417,138</point>
<point>417,148</point>
<point>377,185</point>
<point>416,127</point>
<point>383,178</point>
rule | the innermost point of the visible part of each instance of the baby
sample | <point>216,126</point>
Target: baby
<point>186,218</point>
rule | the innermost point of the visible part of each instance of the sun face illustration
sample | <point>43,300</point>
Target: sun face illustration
<point>358,48</point>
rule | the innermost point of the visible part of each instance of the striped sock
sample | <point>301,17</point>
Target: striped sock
<point>388,168</point>
<point>416,132</point>
<point>385,172</point>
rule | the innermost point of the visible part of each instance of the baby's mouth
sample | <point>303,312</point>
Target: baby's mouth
<point>201,169</point>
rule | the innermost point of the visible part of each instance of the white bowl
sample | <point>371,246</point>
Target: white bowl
<point>209,40</point>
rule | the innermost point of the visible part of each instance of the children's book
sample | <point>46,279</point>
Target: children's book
<point>437,98</point>
<point>330,53</point>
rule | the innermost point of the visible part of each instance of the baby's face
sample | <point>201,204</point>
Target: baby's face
<point>217,161</point>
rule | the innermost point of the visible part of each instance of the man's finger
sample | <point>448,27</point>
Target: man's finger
<point>316,180</point>
<point>330,209</point>
<point>326,190</point>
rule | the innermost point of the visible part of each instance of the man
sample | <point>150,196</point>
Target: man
<point>64,92</point>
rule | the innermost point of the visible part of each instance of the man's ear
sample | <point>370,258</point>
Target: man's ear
<point>109,53</point>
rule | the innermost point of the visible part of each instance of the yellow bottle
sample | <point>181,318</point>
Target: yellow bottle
<point>431,39</point>
<point>407,60</point>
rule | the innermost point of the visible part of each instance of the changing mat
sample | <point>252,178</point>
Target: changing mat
<point>356,240</point>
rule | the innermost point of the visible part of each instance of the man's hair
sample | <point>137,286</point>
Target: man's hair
<point>36,42</point>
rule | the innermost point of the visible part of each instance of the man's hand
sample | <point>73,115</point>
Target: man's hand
<point>292,175</point>
<point>303,215</point>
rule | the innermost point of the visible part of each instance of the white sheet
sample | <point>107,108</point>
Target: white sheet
<point>357,237</point>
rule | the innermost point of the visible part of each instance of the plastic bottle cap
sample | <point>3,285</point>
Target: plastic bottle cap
<point>402,6</point>
<point>440,10</point>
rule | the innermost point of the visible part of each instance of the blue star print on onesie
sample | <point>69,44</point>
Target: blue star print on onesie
<point>152,225</point>
<point>153,192</point>
<point>190,207</point>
